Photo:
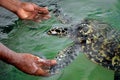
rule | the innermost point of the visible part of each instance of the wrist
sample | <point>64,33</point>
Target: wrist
<point>11,5</point>
<point>6,54</point>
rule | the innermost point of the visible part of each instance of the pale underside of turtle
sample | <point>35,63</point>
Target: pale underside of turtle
<point>97,40</point>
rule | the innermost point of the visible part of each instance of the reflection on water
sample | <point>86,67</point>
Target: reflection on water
<point>23,38</point>
<point>6,17</point>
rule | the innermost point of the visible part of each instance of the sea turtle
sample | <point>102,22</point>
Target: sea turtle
<point>97,40</point>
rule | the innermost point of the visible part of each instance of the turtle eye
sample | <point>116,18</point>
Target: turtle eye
<point>81,26</point>
<point>51,32</point>
<point>57,31</point>
<point>65,29</point>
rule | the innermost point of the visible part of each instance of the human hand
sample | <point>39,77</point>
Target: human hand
<point>31,64</point>
<point>30,11</point>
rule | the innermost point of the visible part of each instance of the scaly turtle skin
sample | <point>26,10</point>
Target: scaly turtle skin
<point>97,40</point>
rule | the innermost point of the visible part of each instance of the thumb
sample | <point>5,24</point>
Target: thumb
<point>22,14</point>
<point>41,72</point>
<point>48,62</point>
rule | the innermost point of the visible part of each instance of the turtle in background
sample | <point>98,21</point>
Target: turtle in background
<point>99,41</point>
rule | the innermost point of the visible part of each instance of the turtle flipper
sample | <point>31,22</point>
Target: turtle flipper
<point>58,31</point>
<point>117,75</point>
<point>64,58</point>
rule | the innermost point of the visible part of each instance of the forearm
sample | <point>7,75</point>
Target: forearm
<point>6,54</point>
<point>11,5</point>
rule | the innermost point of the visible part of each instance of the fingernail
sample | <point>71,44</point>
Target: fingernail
<point>45,18</point>
<point>38,21</point>
<point>41,60</point>
<point>49,15</point>
<point>53,62</point>
<point>46,7</point>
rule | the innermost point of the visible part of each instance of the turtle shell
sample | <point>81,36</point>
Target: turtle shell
<point>97,40</point>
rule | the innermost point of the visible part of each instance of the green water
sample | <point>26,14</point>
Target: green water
<point>32,38</point>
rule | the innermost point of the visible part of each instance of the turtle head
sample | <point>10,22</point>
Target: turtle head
<point>58,31</point>
<point>82,31</point>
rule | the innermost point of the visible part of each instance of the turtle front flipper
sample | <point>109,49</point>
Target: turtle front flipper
<point>58,31</point>
<point>117,75</point>
<point>65,57</point>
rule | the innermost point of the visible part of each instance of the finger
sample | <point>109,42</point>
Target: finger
<point>32,16</point>
<point>41,17</point>
<point>37,18</point>
<point>41,72</point>
<point>45,62</point>
<point>45,17</point>
<point>51,62</point>
<point>43,10</point>
<point>48,62</point>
